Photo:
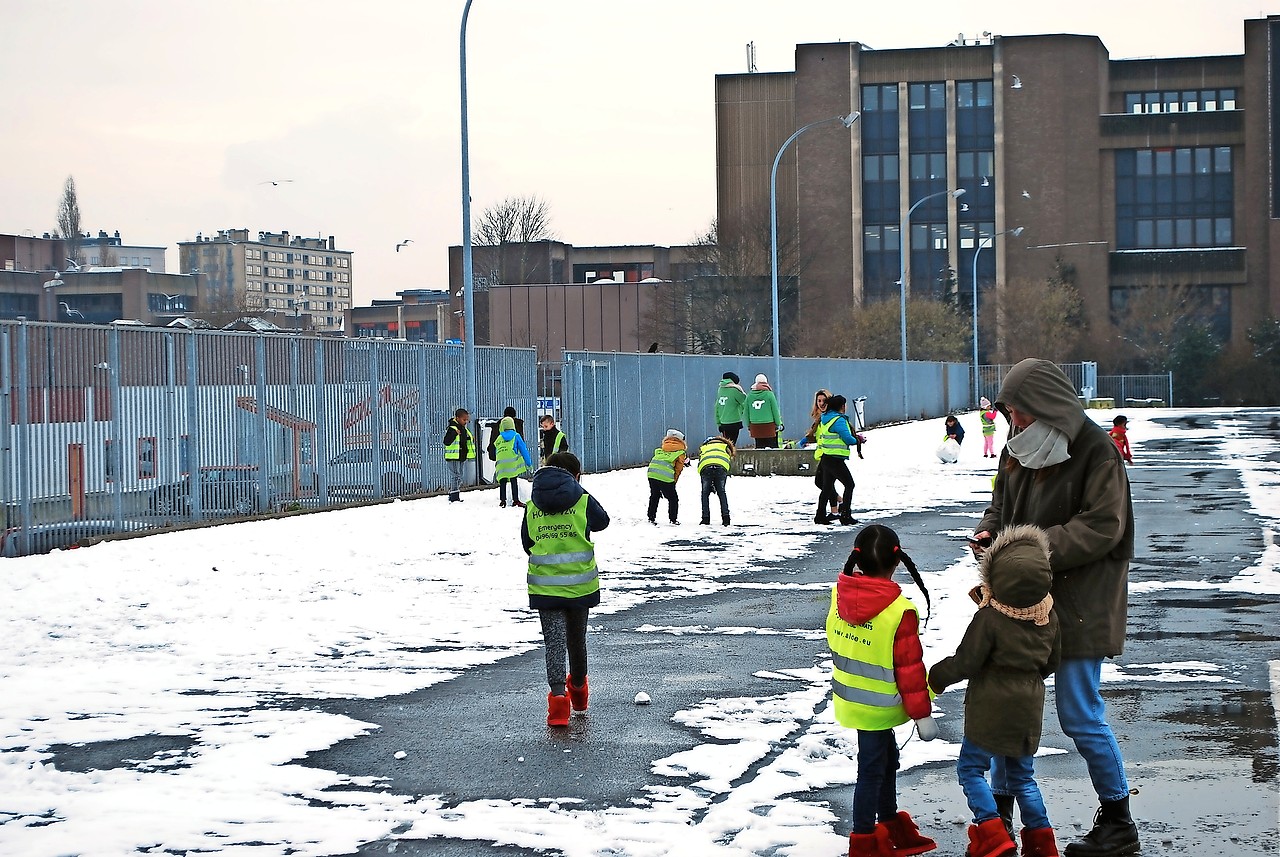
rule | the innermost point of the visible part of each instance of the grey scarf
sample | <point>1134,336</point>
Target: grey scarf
<point>1039,445</point>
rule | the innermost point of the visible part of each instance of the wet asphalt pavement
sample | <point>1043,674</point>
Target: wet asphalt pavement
<point>1201,756</point>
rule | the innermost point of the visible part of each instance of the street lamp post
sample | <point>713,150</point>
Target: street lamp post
<point>985,242</point>
<point>468,306</point>
<point>904,248</point>
<point>773,231</point>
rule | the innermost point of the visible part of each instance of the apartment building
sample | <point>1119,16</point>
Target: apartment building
<point>274,273</point>
<point>1129,172</point>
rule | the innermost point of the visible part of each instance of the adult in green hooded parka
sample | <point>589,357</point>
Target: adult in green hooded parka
<point>1060,471</point>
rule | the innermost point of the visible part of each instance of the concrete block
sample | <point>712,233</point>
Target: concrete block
<point>774,462</point>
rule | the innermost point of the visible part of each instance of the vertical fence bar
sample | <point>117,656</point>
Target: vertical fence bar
<point>117,426</point>
<point>24,436</point>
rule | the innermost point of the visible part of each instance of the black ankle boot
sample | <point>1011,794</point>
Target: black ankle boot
<point>1114,833</point>
<point>1004,806</point>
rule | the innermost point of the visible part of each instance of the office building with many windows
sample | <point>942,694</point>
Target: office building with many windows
<point>1130,173</point>
<point>275,274</point>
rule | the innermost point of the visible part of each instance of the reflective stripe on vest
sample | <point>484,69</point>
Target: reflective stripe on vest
<point>453,452</point>
<point>830,443</point>
<point>663,466</point>
<point>864,692</point>
<point>713,453</point>
<point>562,561</point>
<point>508,462</point>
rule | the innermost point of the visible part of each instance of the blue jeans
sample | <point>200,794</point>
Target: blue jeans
<point>1019,779</point>
<point>714,478</point>
<point>876,791</point>
<point>1082,716</point>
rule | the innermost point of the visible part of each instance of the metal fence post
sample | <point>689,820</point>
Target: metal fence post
<point>194,458</point>
<point>264,437</point>
<point>24,429</point>
<point>117,426</point>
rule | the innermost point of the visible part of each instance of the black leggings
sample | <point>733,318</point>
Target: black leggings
<point>564,632</point>
<point>659,489</point>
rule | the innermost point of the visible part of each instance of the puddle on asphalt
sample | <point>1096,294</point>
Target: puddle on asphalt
<point>146,752</point>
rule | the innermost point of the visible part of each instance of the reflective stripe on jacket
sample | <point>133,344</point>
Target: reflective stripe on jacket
<point>663,465</point>
<point>562,561</point>
<point>829,442</point>
<point>864,691</point>
<point>714,453</point>
<point>508,462</point>
<point>453,452</point>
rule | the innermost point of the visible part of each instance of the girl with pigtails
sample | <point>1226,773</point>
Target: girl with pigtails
<point>878,682</point>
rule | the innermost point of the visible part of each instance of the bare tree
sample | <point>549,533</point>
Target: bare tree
<point>511,226</point>
<point>935,331</point>
<point>69,220</point>
<point>1040,318</point>
<point>724,304</point>
<point>1150,323</point>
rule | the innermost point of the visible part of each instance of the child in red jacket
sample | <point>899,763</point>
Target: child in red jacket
<point>878,683</point>
<point>1120,434</point>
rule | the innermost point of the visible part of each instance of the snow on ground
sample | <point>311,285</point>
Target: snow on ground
<point>196,633</point>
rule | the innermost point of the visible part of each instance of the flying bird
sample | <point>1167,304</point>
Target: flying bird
<point>403,243</point>
<point>70,310</point>
<point>276,182</point>
<point>73,265</point>
<point>1026,194</point>
<point>986,182</point>
<point>1017,83</point>
<point>964,206</point>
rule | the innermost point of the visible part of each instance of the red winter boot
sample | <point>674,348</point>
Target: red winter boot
<point>906,837</point>
<point>1039,843</point>
<point>577,695</point>
<point>990,839</point>
<point>557,710</point>
<point>871,844</point>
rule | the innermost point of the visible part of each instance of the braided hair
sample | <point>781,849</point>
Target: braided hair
<point>877,552</point>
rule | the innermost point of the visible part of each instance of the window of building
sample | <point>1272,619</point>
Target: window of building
<point>1179,197</point>
<point>1179,101</point>
<point>879,123</point>
<point>146,260</point>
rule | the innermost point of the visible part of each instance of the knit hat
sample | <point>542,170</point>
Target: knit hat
<point>985,402</point>
<point>730,376</point>
<point>761,379</point>
<point>676,433</point>
<point>506,424</point>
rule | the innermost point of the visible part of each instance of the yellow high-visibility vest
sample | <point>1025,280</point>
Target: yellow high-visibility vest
<point>864,691</point>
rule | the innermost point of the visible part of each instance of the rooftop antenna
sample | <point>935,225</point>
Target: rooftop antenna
<point>751,57</point>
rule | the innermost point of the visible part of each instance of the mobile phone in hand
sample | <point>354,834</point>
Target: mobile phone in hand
<point>984,542</point>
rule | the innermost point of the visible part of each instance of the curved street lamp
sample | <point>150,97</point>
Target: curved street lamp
<point>985,242</point>
<point>847,121</point>
<point>904,249</point>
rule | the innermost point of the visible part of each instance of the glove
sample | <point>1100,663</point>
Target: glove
<point>926,728</point>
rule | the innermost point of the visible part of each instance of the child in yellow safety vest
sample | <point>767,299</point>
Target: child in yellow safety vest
<point>511,459</point>
<point>664,472</point>
<point>562,577</point>
<point>714,459</point>
<point>878,682</point>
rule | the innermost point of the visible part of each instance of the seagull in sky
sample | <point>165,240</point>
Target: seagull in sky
<point>986,182</point>
<point>70,310</point>
<point>1017,83</point>
<point>73,265</point>
<point>276,182</point>
<point>403,243</point>
<point>1026,194</point>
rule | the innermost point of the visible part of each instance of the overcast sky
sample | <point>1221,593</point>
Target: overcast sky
<point>173,116</point>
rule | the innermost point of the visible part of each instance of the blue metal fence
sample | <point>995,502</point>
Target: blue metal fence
<point>124,428</point>
<point>616,407</point>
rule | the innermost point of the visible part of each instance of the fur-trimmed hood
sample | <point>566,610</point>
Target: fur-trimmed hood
<point>1015,568</point>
